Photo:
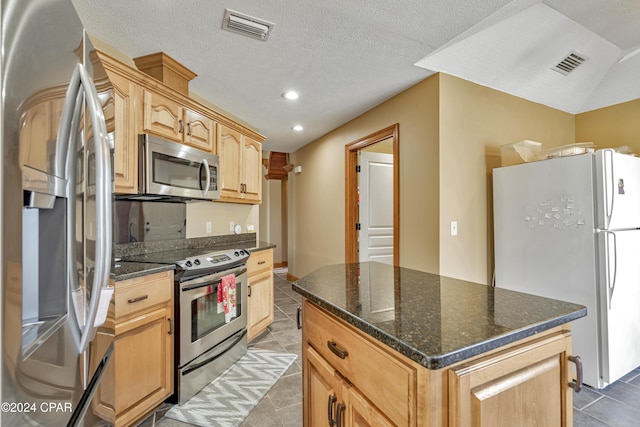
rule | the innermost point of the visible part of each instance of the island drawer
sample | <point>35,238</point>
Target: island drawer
<point>260,261</point>
<point>385,380</point>
<point>140,293</point>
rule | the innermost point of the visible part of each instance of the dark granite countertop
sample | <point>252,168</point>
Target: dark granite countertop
<point>139,259</point>
<point>124,270</point>
<point>434,320</point>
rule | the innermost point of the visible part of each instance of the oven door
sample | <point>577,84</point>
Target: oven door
<point>173,169</point>
<point>202,324</point>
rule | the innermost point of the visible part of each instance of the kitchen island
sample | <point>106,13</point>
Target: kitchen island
<point>386,345</point>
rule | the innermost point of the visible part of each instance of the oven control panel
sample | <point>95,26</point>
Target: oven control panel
<point>215,261</point>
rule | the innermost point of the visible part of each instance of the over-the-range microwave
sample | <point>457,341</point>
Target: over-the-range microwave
<point>172,170</point>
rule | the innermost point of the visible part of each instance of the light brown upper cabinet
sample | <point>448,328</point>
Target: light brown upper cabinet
<point>119,112</point>
<point>177,122</point>
<point>240,166</point>
<point>136,103</point>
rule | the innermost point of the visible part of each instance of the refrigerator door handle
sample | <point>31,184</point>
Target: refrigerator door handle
<point>609,187</point>
<point>101,293</point>
<point>611,279</point>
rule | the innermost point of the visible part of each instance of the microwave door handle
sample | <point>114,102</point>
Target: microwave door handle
<point>101,292</point>
<point>205,164</point>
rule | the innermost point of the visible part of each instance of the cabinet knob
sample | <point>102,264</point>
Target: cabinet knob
<point>138,299</point>
<point>180,126</point>
<point>333,346</point>
<point>331,401</point>
<point>577,384</point>
<point>338,420</point>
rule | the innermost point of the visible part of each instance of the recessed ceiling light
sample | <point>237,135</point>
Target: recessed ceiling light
<point>291,94</point>
<point>297,128</point>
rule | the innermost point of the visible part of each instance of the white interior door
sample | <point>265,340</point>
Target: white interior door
<point>375,182</point>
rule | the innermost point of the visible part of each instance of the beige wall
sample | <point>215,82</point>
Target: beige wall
<point>450,134</point>
<point>611,127</point>
<point>316,196</point>
<point>474,122</point>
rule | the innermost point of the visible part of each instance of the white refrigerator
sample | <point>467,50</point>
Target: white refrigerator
<point>569,228</point>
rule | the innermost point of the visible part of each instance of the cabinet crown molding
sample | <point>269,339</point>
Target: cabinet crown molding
<point>164,68</point>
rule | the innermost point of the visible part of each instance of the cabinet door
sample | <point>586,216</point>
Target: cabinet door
<point>230,153</point>
<point>142,364</point>
<point>360,412</point>
<point>120,120</point>
<point>530,380</point>
<point>252,168</point>
<point>260,313</point>
<point>162,116</point>
<point>36,140</point>
<point>321,393</point>
<point>199,131</point>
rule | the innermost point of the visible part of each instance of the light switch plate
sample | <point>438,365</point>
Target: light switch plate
<point>454,228</point>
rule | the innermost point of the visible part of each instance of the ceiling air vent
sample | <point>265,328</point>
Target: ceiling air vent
<point>570,63</point>
<point>248,25</point>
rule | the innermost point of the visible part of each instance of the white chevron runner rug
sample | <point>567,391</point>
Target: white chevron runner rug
<point>229,398</point>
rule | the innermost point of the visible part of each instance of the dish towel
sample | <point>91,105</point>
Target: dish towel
<point>227,297</point>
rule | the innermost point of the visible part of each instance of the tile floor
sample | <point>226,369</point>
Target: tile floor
<point>615,406</point>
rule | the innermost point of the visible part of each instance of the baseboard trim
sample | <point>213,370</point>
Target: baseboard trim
<point>292,278</point>
<point>281,264</point>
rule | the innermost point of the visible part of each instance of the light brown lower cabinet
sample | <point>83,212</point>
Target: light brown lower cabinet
<point>139,376</point>
<point>260,288</point>
<point>350,379</point>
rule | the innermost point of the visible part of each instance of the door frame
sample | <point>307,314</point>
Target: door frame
<point>351,190</point>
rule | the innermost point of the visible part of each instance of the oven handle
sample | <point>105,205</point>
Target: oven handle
<point>207,361</point>
<point>201,282</point>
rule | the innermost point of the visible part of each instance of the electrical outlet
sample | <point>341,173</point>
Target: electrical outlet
<point>454,228</point>
<point>232,225</point>
<point>208,226</point>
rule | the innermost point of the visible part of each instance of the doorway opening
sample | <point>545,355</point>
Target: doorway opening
<point>354,163</point>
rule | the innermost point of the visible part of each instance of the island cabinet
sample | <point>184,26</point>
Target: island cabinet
<point>349,379</point>
<point>240,166</point>
<point>531,379</point>
<point>260,298</point>
<point>139,376</point>
<point>386,345</point>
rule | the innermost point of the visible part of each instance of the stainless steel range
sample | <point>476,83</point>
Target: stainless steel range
<point>208,339</point>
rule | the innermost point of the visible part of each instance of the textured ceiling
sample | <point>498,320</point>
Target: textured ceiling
<point>347,57</point>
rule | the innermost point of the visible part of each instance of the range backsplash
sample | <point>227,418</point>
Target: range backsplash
<point>222,241</point>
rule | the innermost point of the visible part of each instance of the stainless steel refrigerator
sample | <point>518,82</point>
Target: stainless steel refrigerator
<point>569,228</point>
<point>57,201</point>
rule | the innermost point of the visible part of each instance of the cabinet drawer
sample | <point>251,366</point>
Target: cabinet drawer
<point>260,261</point>
<point>141,293</point>
<point>384,379</point>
